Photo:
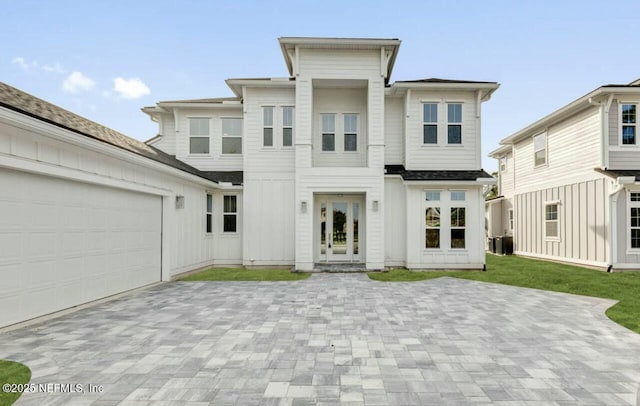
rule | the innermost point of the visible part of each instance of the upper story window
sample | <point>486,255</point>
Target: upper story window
<point>429,123</point>
<point>503,164</point>
<point>540,149</point>
<point>629,123</point>
<point>267,126</point>
<point>287,126</point>
<point>328,132</point>
<point>454,123</point>
<point>230,214</point>
<point>350,132</point>
<point>198,135</point>
<point>232,136</point>
<point>551,221</point>
<point>634,220</point>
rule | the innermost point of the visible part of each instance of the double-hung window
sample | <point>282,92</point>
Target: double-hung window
<point>209,214</point>
<point>328,132</point>
<point>230,214</point>
<point>540,149</point>
<point>458,219</point>
<point>287,126</point>
<point>267,126</point>
<point>429,123</point>
<point>432,220</point>
<point>503,164</point>
<point>551,221</point>
<point>629,123</point>
<point>350,132</point>
<point>454,123</point>
<point>198,135</point>
<point>232,136</point>
<point>511,220</point>
<point>634,220</point>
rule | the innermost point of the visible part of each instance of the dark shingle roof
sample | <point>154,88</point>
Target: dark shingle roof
<point>411,175</point>
<point>24,103</point>
<point>438,80</point>
<point>234,177</point>
<point>614,173</point>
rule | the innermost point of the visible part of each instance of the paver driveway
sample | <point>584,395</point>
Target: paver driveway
<point>334,339</point>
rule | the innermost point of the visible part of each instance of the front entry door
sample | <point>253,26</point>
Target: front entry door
<point>339,229</point>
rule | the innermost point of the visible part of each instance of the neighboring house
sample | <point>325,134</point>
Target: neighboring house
<point>338,164</point>
<point>570,182</point>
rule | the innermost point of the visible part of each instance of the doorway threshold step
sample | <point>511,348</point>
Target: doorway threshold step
<point>339,267</point>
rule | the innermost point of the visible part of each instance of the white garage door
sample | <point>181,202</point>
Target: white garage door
<point>64,243</point>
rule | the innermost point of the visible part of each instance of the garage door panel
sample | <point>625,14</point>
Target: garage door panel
<point>66,243</point>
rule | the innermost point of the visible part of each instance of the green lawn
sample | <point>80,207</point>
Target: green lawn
<point>242,274</point>
<point>12,372</point>
<point>530,273</point>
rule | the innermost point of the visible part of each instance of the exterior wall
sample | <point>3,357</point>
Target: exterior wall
<point>507,204</point>
<point>620,157</point>
<point>493,212</point>
<point>506,179</point>
<point>613,123</point>
<point>167,140</point>
<point>395,222</point>
<point>442,156</point>
<point>472,256</point>
<point>393,131</point>
<point>624,255</point>
<point>564,165</point>
<point>339,63</point>
<point>215,160</point>
<point>41,149</point>
<point>339,101</point>
<point>583,222</point>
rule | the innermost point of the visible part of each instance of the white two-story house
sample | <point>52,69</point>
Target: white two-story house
<point>337,164</point>
<point>569,184</point>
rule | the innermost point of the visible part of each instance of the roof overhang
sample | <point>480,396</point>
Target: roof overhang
<point>500,151</point>
<point>486,89</point>
<point>236,85</point>
<point>288,46</point>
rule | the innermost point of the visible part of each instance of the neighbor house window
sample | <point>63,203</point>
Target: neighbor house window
<point>232,136</point>
<point>503,164</point>
<point>634,220</point>
<point>510,219</point>
<point>454,123</point>
<point>629,123</point>
<point>551,223</point>
<point>328,132</point>
<point>230,214</point>
<point>458,226</point>
<point>267,126</point>
<point>287,126</point>
<point>350,132</point>
<point>198,135</point>
<point>430,123</point>
<point>209,214</point>
<point>432,220</point>
<point>540,149</point>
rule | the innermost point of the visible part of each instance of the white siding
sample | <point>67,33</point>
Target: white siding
<point>507,177</point>
<point>395,222</point>
<point>613,123</point>
<point>442,156</point>
<point>564,165</point>
<point>167,140</point>
<point>583,221</point>
<point>393,131</point>
<point>339,101</point>
<point>339,63</point>
<point>625,159</point>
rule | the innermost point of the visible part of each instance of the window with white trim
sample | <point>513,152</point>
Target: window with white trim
<point>511,220</point>
<point>432,220</point>
<point>540,149</point>
<point>458,227</point>
<point>628,113</point>
<point>454,123</point>
<point>230,214</point>
<point>199,135</point>
<point>267,126</point>
<point>350,131</point>
<point>209,214</point>
<point>287,126</point>
<point>503,164</point>
<point>430,123</point>
<point>328,132</point>
<point>232,136</point>
<point>551,220</point>
<point>634,220</point>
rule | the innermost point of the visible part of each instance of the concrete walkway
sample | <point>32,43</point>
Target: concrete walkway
<point>334,339</point>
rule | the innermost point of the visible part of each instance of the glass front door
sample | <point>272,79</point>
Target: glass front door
<point>339,229</point>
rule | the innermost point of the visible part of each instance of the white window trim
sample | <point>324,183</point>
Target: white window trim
<point>272,126</point>
<point>189,136</point>
<point>546,149</point>
<point>336,120</point>
<point>292,126</point>
<point>557,220</point>
<point>631,204</point>
<point>222,136</point>
<point>620,124</point>
<point>510,220</point>
<point>357,133</point>
<point>437,123</point>
<point>208,213</point>
<point>504,161</point>
<point>427,204</point>
<point>225,213</point>
<point>461,123</point>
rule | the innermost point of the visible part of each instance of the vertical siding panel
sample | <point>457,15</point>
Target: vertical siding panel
<point>584,241</point>
<point>575,193</point>
<point>562,249</point>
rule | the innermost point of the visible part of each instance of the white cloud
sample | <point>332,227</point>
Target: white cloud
<point>23,63</point>
<point>133,88</point>
<point>29,65</point>
<point>56,68</point>
<point>77,82</point>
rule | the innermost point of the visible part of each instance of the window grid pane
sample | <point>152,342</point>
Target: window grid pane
<point>635,238</point>
<point>351,142</point>
<point>430,134</point>
<point>430,112</point>
<point>635,217</point>
<point>432,196</point>
<point>287,137</point>
<point>199,145</point>
<point>199,126</point>
<point>287,116</point>
<point>628,135</point>
<point>635,196</point>
<point>328,142</point>
<point>230,223</point>
<point>268,137</point>
<point>629,113</point>
<point>454,112</point>
<point>268,116</point>
<point>458,195</point>
<point>230,204</point>
<point>457,238</point>
<point>232,127</point>
<point>455,134</point>
<point>328,123</point>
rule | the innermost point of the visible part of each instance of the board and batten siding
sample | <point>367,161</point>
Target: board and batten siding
<point>395,222</point>
<point>393,131</point>
<point>442,156</point>
<point>583,223</point>
<point>563,165</point>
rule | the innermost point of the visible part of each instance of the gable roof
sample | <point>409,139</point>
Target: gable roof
<point>24,103</point>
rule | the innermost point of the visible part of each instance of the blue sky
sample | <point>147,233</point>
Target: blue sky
<point>105,60</point>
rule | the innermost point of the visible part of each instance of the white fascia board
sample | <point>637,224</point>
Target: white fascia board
<point>236,84</point>
<point>445,86</point>
<point>60,134</point>
<point>500,151</point>
<point>203,105</point>
<point>444,183</point>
